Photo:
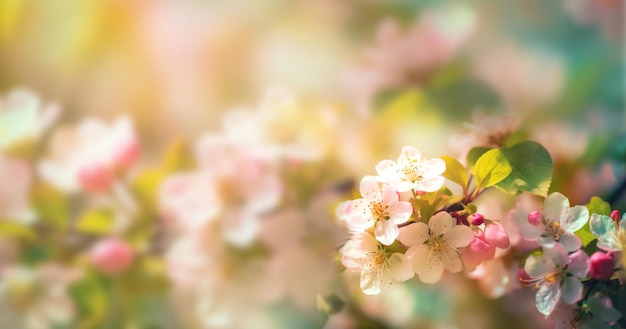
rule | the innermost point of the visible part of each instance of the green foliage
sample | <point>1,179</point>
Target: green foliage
<point>598,206</point>
<point>50,205</point>
<point>96,221</point>
<point>491,168</point>
<point>531,169</point>
<point>16,230</point>
<point>455,171</point>
<point>474,154</point>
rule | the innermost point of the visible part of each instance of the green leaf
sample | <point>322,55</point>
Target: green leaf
<point>455,171</point>
<point>598,206</point>
<point>329,304</point>
<point>16,230</point>
<point>491,168</point>
<point>585,235</point>
<point>96,221</point>
<point>474,154</point>
<point>531,169</point>
<point>50,205</point>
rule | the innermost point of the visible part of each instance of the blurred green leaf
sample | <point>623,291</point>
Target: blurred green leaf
<point>329,304</point>
<point>598,206</point>
<point>96,221</point>
<point>455,171</point>
<point>491,168</point>
<point>50,205</point>
<point>17,230</point>
<point>531,169</point>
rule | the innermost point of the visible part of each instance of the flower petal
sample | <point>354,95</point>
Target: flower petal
<point>389,195</point>
<point>459,236</point>
<point>429,184</point>
<point>414,234</point>
<point>573,219</point>
<point>554,205</point>
<point>400,212</point>
<point>373,279</point>
<point>602,307</point>
<point>434,167</point>
<point>441,223</point>
<point>570,242</point>
<point>386,232</point>
<point>547,297</point>
<point>572,290</point>
<point>428,267</point>
<point>603,228</point>
<point>369,188</point>
<point>400,267</point>
<point>537,266</point>
<point>578,264</point>
<point>410,151</point>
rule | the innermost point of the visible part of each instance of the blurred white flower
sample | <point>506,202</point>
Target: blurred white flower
<point>14,197</point>
<point>611,234</point>
<point>483,130</point>
<point>35,298</point>
<point>23,117</point>
<point>88,156</point>
<point>412,172</point>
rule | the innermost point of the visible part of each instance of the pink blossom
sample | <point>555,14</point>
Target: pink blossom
<point>112,255</point>
<point>90,155</point>
<point>601,266</point>
<point>412,172</point>
<point>14,197</point>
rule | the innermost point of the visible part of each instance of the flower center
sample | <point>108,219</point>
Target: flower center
<point>413,169</point>
<point>379,210</point>
<point>554,229</point>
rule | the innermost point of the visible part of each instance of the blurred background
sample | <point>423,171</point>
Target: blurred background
<point>225,133</point>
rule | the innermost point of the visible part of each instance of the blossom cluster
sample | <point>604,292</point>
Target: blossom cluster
<point>393,238</point>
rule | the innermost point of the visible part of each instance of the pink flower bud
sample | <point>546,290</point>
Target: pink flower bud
<point>478,250</point>
<point>601,266</point>
<point>497,236</point>
<point>615,215</point>
<point>126,154</point>
<point>522,276</point>
<point>534,217</point>
<point>112,256</point>
<point>478,219</point>
<point>95,178</point>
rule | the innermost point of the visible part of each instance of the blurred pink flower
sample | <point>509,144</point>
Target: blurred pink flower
<point>605,14</point>
<point>14,197</point>
<point>483,130</point>
<point>36,298</point>
<point>90,155</point>
<point>398,58</point>
<point>112,255</point>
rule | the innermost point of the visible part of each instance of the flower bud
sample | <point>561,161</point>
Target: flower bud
<point>95,178</point>
<point>522,276</point>
<point>496,235</point>
<point>601,266</point>
<point>534,217</point>
<point>615,215</point>
<point>112,256</point>
<point>477,219</point>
